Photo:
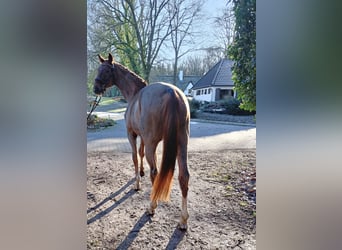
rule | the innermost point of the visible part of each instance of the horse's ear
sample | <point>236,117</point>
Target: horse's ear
<point>110,58</point>
<point>101,58</point>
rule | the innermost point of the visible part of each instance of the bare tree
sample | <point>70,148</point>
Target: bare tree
<point>225,25</point>
<point>201,64</point>
<point>99,35</point>
<point>135,28</point>
<point>193,65</point>
<point>182,14</point>
<point>212,56</point>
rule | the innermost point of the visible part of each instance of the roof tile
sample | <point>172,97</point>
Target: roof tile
<point>219,75</point>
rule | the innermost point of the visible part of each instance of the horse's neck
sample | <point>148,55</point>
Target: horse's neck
<point>126,83</point>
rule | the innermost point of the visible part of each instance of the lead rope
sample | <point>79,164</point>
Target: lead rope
<point>94,105</point>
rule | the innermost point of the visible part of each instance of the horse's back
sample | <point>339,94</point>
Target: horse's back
<point>146,115</point>
<point>160,88</point>
<point>157,97</point>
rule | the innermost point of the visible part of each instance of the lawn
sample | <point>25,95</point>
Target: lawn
<point>107,101</point>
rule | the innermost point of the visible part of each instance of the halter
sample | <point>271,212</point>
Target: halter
<point>98,98</point>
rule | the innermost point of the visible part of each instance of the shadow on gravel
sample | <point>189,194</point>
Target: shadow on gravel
<point>109,198</point>
<point>176,237</point>
<point>135,231</point>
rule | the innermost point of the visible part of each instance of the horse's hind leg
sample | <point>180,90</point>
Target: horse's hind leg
<point>133,141</point>
<point>152,161</point>
<point>183,180</point>
<point>141,153</point>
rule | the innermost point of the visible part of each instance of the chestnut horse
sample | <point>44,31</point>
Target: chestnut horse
<point>155,112</point>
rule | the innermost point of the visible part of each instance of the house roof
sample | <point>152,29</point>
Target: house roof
<point>180,84</point>
<point>186,79</point>
<point>219,75</point>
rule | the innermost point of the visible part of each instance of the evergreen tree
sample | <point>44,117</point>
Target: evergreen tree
<point>243,52</point>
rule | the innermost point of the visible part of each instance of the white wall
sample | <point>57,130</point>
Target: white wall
<point>186,91</point>
<point>208,97</point>
<point>204,94</point>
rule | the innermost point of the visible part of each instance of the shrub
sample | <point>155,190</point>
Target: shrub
<point>95,122</point>
<point>232,107</point>
<point>194,107</point>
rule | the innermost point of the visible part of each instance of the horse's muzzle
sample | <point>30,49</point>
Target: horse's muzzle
<point>98,90</point>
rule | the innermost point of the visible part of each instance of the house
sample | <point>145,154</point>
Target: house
<point>188,87</point>
<point>216,84</point>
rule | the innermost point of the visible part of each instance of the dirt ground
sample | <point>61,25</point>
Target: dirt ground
<point>221,204</point>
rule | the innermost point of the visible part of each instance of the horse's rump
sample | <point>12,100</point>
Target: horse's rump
<point>147,113</point>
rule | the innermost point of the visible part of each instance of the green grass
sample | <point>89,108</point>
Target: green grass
<point>229,188</point>
<point>118,110</point>
<point>215,174</point>
<point>243,204</point>
<point>226,178</point>
<point>106,101</point>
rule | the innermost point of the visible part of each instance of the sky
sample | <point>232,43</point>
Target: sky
<point>211,9</point>
<point>213,6</point>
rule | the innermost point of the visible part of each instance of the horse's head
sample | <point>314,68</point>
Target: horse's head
<point>104,78</point>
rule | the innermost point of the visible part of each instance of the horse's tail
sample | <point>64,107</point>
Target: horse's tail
<point>163,182</point>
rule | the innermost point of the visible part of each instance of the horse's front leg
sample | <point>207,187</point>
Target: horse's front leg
<point>133,141</point>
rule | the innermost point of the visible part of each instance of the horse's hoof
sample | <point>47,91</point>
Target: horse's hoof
<point>150,211</point>
<point>182,226</point>
<point>137,187</point>
<point>152,208</point>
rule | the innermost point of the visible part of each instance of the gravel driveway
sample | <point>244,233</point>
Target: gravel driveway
<point>222,201</point>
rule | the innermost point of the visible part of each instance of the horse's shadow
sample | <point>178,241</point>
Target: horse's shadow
<point>109,198</point>
<point>135,231</point>
<point>175,239</point>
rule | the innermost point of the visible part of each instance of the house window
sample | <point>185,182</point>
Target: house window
<point>209,90</point>
<point>198,92</point>
<point>205,91</point>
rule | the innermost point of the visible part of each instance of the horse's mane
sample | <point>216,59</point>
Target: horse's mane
<point>138,80</point>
